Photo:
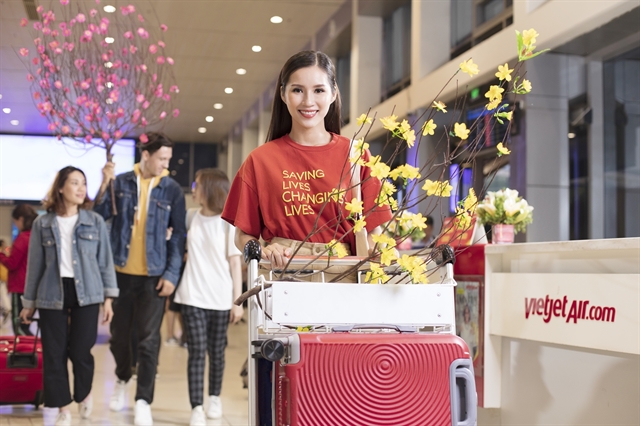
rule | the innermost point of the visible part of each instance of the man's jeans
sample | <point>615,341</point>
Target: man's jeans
<point>139,306</point>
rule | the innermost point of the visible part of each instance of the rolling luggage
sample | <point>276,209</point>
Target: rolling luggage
<point>356,354</point>
<point>21,370</point>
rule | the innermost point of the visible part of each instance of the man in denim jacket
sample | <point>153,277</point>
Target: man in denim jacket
<point>147,239</point>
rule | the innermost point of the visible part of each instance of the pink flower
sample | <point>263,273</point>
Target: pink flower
<point>65,130</point>
<point>35,61</point>
<point>103,27</point>
<point>46,31</point>
<point>87,138</point>
<point>145,105</point>
<point>143,67</point>
<point>70,47</point>
<point>41,49</point>
<point>154,77</point>
<point>62,25</point>
<point>72,22</point>
<point>170,61</point>
<point>160,59</point>
<point>124,10</point>
<point>88,34</point>
<point>39,9</point>
<point>37,41</point>
<point>135,116</point>
<point>100,88</point>
<point>176,112</point>
<point>128,35</point>
<point>58,84</point>
<point>124,82</point>
<point>133,49</point>
<point>163,114</point>
<point>93,12</point>
<point>23,22</point>
<point>143,33</point>
<point>54,44</point>
<point>37,25</point>
<point>166,97</point>
<point>93,28</point>
<point>117,134</point>
<point>84,85</point>
<point>153,49</point>
<point>105,57</point>
<point>163,27</point>
<point>120,112</point>
<point>36,95</point>
<point>66,32</point>
<point>161,44</point>
<point>97,1</point>
<point>58,51</point>
<point>52,127</point>
<point>24,52</point>
<point>131,8</point>
<point>64,2</point>
<point>140,18</point>
<point>81,18</point>
<point>113,95</point>
<point>159,90</point>
<point>105,136</point>
<point>140,98</point>
<point>54,33</point>
<point>174,88</point>
<point>144,138</point>
<point>30,77</point>
<point>79,63</point>
<point>143,121</point>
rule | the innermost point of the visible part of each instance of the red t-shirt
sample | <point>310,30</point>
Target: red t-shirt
<point>281,188</point>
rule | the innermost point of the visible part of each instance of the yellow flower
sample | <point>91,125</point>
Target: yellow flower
<point>494,103</point>
<point>363,119</point>
<point>393,203</point>
<point>440,106</point>
<point>357,160</point>
<point>359,225</point>
<point>471,201</point>
<point>529,37</point>
<point>502,150</point>
<point>388,256</point>
<point>405,171</point>
<point>336,249</point>
<point>301,329</point>
<point>428,128</point>
<point>469,67</point>
<point>494,92</point>
<point>355,206</point>
<point>376,273</point>
<point>410,137</point>
<point>504,73</point>
<point>463,218</point>
<point>439,189</point>
<point>415,266</point>
<point>419,278</point>
<point>418,221</point>
<point>461,131</point>
<point>378,168</point>
<point>361,145</point>
<point>508,115</point>
<point>389,122</point>
<point>526,86</point>
<point>383,240</point>
<point>404,127</point>
<point>388,188</point>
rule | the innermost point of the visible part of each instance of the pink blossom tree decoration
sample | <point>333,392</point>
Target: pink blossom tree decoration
<point>99,76</point>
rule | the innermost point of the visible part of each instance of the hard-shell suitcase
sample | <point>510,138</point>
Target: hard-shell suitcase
<point>375,379</point>
<point>21,370</point>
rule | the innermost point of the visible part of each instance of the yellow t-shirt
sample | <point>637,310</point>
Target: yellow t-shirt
<point>137,260</point>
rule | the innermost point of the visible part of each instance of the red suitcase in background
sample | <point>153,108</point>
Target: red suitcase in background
<point>376,379</point>
<point>20,370</point>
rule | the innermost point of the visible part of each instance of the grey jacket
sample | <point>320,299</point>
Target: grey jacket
<point>95,276</point>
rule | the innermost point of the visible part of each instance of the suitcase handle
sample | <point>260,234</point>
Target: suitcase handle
<point>351,327</point>
<point>464,400</point>
<point>35,341</point>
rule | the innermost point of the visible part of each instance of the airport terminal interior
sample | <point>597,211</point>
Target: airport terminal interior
<point>551,317</point>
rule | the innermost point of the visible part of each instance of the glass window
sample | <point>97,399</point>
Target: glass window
<point>396,44</point>
<point>343,77</point>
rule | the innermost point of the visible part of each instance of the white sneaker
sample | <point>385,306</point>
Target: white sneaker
<point>197,417</point>
<point>63,419</point>
<point>118,398</point>
<point>142,414</point>
<point>215,407</point>
<point>86,407</point>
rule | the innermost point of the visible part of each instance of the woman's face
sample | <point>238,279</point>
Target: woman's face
<point>197,192</point>
<point>308,95</point>
<point>74,191</point>
<point>19,223</point>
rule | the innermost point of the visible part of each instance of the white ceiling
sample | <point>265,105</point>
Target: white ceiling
<point>209,40</point>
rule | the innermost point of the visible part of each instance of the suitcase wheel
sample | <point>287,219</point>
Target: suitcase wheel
<point>39,399</point>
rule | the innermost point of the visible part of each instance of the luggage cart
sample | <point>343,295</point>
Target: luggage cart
<point>358,353</point>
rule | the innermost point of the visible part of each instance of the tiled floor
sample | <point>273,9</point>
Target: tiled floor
<point>171,405</point>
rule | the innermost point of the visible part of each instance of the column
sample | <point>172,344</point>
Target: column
<point>430,29</point>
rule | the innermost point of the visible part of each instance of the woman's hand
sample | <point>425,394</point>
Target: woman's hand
<point>26,314</point>
<point>235,314</point>
<point>276,254</point>
<point>108,311</point>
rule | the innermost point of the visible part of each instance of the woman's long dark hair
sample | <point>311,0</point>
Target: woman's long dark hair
<point>54,201</point>
<point>280,118</point>
<point>27,213</point>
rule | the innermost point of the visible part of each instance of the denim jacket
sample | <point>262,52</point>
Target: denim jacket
<point>94,274</point>
<point>166,209</point>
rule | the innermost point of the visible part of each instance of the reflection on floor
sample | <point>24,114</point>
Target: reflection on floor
<point>171,405</point>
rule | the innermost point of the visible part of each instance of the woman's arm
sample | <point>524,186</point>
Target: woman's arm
<point>105,261</point>
<point>274,253</point>
<point>235,267</point>
<point>17,255</point>
<point>35,266</point>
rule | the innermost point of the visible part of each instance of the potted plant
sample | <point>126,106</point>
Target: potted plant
<point>506,212</point>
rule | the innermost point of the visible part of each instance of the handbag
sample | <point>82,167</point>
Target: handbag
<point>362,242</point>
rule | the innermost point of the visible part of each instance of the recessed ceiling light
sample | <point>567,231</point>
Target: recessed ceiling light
<point>276,19</point>
<point>228,90</point>
<point>6,110</point>
<point>256,48</point>
<point>209,118</point>
<point>109,40</point>
<point>217,106</point>
<point>571,135</point>
<point>241,71</point>
<point>0,96</point>
<point>109,9</point>
<point>109,85</point>
<point>14,122</point>
<point>109,101</point>
<point>202,129</point>
<point>108,64</point>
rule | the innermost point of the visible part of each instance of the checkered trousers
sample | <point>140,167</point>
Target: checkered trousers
<point>206,332</point>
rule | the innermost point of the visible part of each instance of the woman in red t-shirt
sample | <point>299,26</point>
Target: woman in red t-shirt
<point>23,216</point>
<point>282,191</point>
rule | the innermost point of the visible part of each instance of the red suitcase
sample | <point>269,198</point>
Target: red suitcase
<point>21,370</point>
<point>376,379</point>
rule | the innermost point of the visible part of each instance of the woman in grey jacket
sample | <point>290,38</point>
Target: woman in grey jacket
<point>69,273</point>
